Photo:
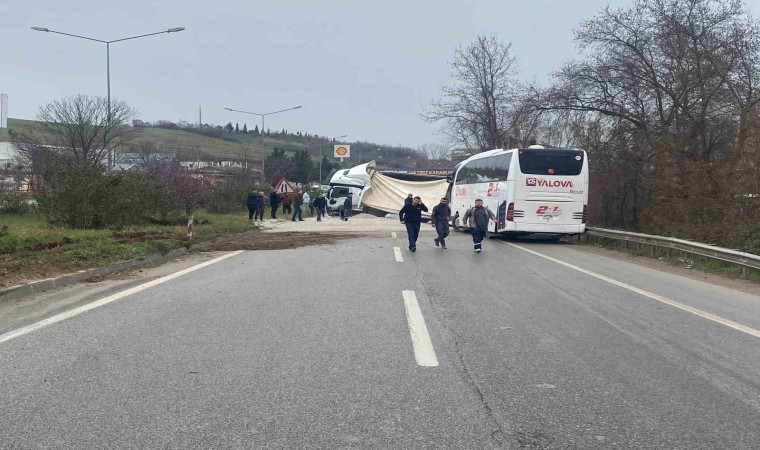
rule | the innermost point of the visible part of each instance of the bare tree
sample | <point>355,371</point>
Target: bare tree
<point>679,80</point>
<point>77,129</point>
<point>481,109</point>
<point>435,150</point>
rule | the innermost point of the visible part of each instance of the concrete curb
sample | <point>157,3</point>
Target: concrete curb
<point>23,290</point>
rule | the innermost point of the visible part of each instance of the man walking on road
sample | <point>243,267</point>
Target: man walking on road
<point>440,218</point>
<point>479,225</point>
<point>411,216</point>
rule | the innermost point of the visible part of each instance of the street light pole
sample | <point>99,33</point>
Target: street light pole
<point>108,58</point>
<point>321,157</point>
<point>261,134</point>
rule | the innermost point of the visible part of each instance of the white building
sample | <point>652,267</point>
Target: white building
<point>7,155</point>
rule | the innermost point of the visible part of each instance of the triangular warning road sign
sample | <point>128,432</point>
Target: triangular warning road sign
<point>284,187</point>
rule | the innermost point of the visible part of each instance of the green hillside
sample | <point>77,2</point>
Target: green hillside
<point>244,147</point>
<point>18,125</point>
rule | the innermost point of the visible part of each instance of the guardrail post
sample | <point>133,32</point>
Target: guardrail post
<point>190,226</point>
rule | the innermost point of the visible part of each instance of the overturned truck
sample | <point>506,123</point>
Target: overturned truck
<point>381,193</point>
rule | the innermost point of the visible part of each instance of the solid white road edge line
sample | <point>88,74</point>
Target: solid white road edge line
<point>394,235</point>
<point>659,298</point>
<point>397,253</point>
<point>104,301</point>
<point>423,346</point>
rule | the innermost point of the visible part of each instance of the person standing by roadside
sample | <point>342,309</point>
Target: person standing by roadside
<point>479,225</point>
<point>251,203</point>
<point>320,203</point>
<point>260,207</point>
<point>348,206</point>
<point>297,201</point>
<point>440,218</point>
<point>307,201</point>
<point>324,204</point>
<point>411,216</point>
<point>286,203</point>
<point>274,202</point>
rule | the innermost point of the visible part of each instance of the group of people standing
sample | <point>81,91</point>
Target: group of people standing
<point>292,204</point>
<point>477,217</point>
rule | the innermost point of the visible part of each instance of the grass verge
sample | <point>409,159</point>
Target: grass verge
<point>30,249</point>
<point>684,260</point>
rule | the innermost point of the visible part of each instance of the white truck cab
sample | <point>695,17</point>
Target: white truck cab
<point>354,180</point>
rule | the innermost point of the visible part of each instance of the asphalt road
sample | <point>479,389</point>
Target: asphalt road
<point>312,348</point>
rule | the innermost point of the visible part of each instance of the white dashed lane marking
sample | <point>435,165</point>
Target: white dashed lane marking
<point>424,353</point>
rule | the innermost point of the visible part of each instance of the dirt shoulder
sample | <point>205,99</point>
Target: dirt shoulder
<point>281,233</point>
<point>360,223</point>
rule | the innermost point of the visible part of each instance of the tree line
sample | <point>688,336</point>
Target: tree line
<point>66,157</point>
<point>661,94</point>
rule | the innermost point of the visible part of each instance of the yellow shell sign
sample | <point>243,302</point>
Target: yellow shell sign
<point>342,151</point>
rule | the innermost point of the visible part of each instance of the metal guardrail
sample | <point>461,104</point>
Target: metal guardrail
<point>709,251</point>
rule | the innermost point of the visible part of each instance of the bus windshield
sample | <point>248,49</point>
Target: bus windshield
<point>551,162</point>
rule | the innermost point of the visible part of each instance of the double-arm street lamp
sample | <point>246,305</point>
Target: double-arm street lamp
<point>108,51</point>
<point>261,133</point>
<point>108,54</point>
<point>321,157</point>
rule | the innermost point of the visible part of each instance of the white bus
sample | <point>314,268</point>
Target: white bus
<point>530,190</point>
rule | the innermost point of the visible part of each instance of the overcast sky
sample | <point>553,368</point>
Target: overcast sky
<point>366,69</point>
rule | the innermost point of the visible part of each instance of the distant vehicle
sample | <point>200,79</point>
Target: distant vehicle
<point>534,190</point>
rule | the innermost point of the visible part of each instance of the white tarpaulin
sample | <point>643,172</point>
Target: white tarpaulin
<point>388,194</point>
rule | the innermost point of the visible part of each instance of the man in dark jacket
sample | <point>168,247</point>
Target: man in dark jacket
<point>259,213</point>
<point>320,203</point>
<point>411,216</point>
<point>479,223</point>
<point>440,218</point>
<point>252,204</point>
<point>348,206</point>
<point>274,203</point>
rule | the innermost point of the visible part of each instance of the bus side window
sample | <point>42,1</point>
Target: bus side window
<point>463,175</point>
<point>494,168</point>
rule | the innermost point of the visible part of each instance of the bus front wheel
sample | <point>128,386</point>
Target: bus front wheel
<point>456,224</point>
